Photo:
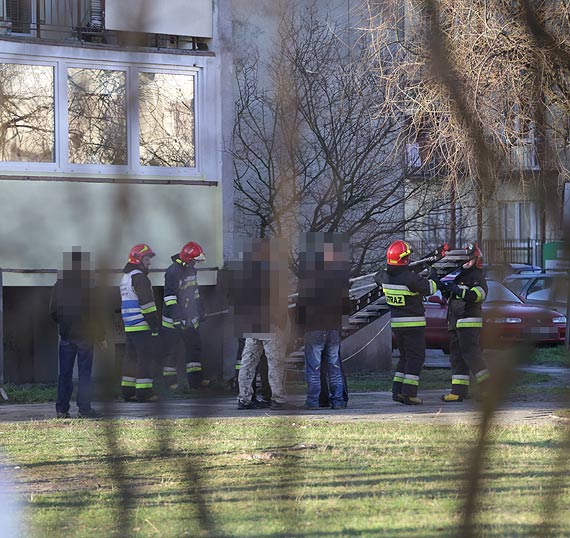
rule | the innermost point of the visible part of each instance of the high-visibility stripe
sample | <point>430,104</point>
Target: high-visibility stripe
<point>193,367</point>
<point>171,302</point>
<point>170,298</point>
<point>462,291</point>
<point>137,328</point>
<point>147,305</point>
<point>480,292</point>
<point>238,366</point>
<point>410,379</point>
<point>482,375</point>
<point>460,380</point>
<point>128,381</point>
<point>397,289</point>
<point>130,310</point>
<point>144,385</point>
<point>469,322</point>
<point>133,318</point>
<point>398,377</point>
<point>168,324</point>
<point>432,287</point>
<point>414,321</point>
<point>168,370</point>
<point>149,309</point>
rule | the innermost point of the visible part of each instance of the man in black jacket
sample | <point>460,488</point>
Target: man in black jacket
<point>404,290</point>
<point>322,302</point>
<point>466,294</point>
<point>72,308</point>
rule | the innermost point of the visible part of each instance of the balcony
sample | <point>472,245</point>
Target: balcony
<point>100,20</point>
<point>50,19</point>
<point>523,156</point>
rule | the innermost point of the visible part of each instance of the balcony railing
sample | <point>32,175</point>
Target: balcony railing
<point>50,19</point>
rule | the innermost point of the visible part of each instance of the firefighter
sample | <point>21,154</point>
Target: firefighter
<point>404,290</point>
<point>181,317</point>
<point>140,318</point>
<point>466,294</point>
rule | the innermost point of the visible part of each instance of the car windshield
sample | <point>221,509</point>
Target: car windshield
<point>517,284</point>
<point>557,291</point>
<point>500,294</point>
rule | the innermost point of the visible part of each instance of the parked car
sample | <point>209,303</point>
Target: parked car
<point>549,290</point>
<point>498,271</point>
<point>506,319</point>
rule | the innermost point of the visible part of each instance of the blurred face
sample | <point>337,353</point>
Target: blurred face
<point>145,262</point>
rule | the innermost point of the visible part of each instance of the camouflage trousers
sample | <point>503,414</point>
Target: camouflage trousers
<point>274,346</point>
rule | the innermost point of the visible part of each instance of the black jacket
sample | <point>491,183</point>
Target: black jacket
<point>181,295</point>
<point>404,290</point>
<point>465,309</point>
<point>323,297</point>
<point>73,306</point>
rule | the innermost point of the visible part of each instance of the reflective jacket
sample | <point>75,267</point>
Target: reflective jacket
<point>181,295</point>
<point>466,308</point>
<point>404,290</point>
<point>138,308</point>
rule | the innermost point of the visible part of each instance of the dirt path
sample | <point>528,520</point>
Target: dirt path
<point>369,406</point>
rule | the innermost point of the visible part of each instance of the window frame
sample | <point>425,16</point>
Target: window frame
<point>205,113</point>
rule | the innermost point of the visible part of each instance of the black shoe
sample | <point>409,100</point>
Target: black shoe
<point>63,415</point>
<point>339,405</point>
<point>89,414</point>
<point>278,405</point>
<point>254,404</point>
<point>397,398</point>
<point>311,407</point>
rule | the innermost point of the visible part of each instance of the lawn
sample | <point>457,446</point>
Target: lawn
<point>270,477</point>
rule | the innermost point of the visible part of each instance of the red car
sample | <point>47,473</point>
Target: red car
<point>506,319</point>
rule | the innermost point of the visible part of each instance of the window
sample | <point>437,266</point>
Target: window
<point>518,220</point>
<point>97,116</point>
<point>166,112</point>
<point>117,119</point>
<point>27,114</point>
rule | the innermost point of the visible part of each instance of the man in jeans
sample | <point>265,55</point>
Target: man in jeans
<point>259,299</point>
<point>323,301</point>
<point>72,308</point>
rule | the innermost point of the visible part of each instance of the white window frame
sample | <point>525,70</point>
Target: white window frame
<point>207,128</point>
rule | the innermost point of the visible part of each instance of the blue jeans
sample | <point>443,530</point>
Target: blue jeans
<point>68,350</point>
<point>323,345</point>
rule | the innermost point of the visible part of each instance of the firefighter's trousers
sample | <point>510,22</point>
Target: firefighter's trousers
<point>412,345</point>
<point>137,366</point>
<point>465,357</point>
<point>182,345</point>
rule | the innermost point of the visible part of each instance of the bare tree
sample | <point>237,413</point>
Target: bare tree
<point>485,103</point>
<point>311,113</point>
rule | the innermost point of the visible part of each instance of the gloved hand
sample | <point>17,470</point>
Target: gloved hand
<point>451,288</point>
<point>179,324</point>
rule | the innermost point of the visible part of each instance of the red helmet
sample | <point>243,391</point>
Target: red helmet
<point>138,252</point>
<point>192,252</point>
<point>399,253</point>
<point>477,256</point>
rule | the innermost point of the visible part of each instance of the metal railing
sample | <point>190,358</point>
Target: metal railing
<point>50,19</point>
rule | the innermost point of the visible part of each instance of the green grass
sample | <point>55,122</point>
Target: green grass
<point>30,393</point>
<point>269,478</point>
<point>552,356</point>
